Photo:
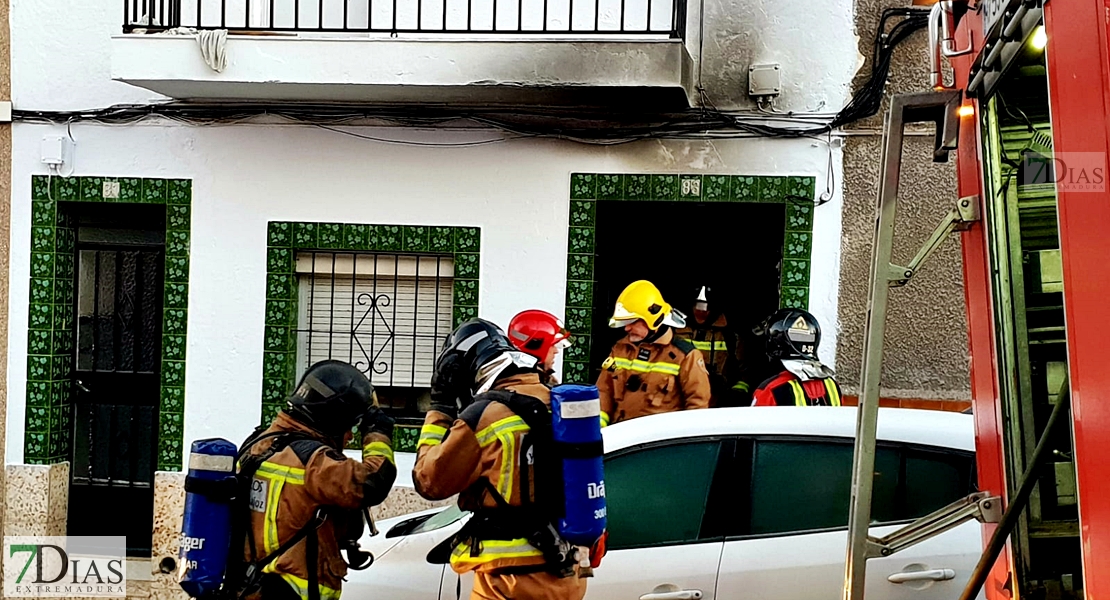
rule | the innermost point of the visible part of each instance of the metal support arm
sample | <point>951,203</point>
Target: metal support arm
<point>959,218</point>
<point>981,507</point>
<point>940,108</point>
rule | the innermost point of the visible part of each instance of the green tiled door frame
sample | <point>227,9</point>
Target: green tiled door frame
<point>50,341</point>
<point>286,238</point>
<point>587,189</point>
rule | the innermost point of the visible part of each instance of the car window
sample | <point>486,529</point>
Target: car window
<point>657,496</point>
<point>805,485</point>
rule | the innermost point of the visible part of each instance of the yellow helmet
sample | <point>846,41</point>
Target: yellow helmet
<point>642,300</point>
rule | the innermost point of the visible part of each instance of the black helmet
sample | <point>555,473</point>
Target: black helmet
<point>331,397</point>
<point>474,355</point>
<point>792,333</point>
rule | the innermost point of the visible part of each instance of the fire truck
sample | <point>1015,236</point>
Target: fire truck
<point>1020,99</point>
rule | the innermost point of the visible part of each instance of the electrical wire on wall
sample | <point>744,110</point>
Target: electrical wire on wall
<point>601,127</point>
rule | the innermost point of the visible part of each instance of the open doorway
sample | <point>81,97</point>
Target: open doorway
<point>735,248</point>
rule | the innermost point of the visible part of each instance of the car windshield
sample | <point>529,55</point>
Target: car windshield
<point>441,519</point>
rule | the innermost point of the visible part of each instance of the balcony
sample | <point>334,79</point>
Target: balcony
<point>502,52</point>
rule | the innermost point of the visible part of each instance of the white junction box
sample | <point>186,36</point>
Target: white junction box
<point>764,80</point>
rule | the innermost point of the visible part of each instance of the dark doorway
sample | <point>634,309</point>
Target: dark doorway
<point>735,248</point>
<point>118,289</point>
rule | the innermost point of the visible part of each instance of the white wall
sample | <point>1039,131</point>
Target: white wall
<point>61,49</point>
<point>517,191</point>
<point>244,176</point>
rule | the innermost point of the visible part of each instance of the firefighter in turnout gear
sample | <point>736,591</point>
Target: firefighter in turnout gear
<point>540,334</point>
<point>792,337</point>
<point>477,442</point>
<point>650,370</point>
<point>305,485</point>
<point>711,334</point>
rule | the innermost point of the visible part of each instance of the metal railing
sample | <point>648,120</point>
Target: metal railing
<point>508,17</point>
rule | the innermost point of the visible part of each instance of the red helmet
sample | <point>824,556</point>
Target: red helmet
<point>534,332</point>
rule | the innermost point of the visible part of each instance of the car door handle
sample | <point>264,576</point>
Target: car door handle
<point>933,575</point>
<point>679,595</point>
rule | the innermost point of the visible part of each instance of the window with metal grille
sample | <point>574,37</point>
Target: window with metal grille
<point>386,314</point>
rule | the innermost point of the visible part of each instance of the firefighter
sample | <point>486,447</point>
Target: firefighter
<point>472,446</point>
<point>540,334</point>
<point>310,472</point>
<point>650,370</point>
<point>792,337</point>
<point>711,333</point>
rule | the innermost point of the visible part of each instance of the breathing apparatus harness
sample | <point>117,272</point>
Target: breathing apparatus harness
<point>243,578</point>
<point>541,510</point>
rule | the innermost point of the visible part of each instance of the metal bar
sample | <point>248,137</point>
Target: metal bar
<point>247,18</point>
<point>570,17</point>
<point>373,316</point>
<point>311,304</point>
<point>354,328</point>
<point>297,26</point>
<point>117,323</point>
<point>520,15</point>
<point>346,4</point>
<point>331,304</point>
<point>136,318</point>
<point>200,3</point>
<point>320,18</point>
<point>415,322</point>
<point>494,23</point>
<point>469,27</point>
<point>904,108</point>
<point>435,322</point>
<point>96,311</point>
<point>624,12</point>
<point>545,14</point>
<point>271,13</point>
<point>223,13</point>
<point>393,321</point>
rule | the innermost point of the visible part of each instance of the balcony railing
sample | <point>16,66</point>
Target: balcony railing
<point>640,18</point>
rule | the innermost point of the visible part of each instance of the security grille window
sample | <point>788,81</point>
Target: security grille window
<point>386,314</point>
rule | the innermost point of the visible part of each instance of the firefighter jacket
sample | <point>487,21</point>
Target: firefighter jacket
<point>453,456</point>
<point>724,356</point>
<point>642,379</point>
<point>291,485</point>
<point>787,389</point>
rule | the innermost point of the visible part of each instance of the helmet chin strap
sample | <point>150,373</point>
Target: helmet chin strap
<point>658,333</point>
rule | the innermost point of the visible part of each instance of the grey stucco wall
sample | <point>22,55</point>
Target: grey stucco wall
<point>926,353</point>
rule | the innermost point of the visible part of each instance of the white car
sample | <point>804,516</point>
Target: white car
<point>738,503</point>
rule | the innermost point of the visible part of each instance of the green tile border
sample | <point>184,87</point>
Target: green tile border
<point>285,238</point>
<point>50,337</point>
<point>586,189</point>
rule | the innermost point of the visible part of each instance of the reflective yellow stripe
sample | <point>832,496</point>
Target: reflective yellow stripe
<point>492,550</point>
<point>378,449</point>
<point>431,435</point>
<point>301,585</point>
<point>834,397</point>
<point>707,345</point>
<point>741,386</point>
<point>292,475</point>
<point>643,366</point>
<point>799,394</point>
<point>277,476</point>
<point>504,430</point>
<point>604,419</point>
<point>487,435</point>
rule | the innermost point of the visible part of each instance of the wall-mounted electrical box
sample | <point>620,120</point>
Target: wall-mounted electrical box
<point>764,81</point>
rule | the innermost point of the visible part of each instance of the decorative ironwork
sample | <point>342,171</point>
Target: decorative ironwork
<point>375,302</point>
<point>577,17</point>
<point>386,314</point>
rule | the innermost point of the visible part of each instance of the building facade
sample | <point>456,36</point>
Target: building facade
<point>335,186</point>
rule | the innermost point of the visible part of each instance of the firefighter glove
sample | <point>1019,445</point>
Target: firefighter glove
<point>376,421</point>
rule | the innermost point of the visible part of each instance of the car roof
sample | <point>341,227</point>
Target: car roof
<point>943,429</point>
